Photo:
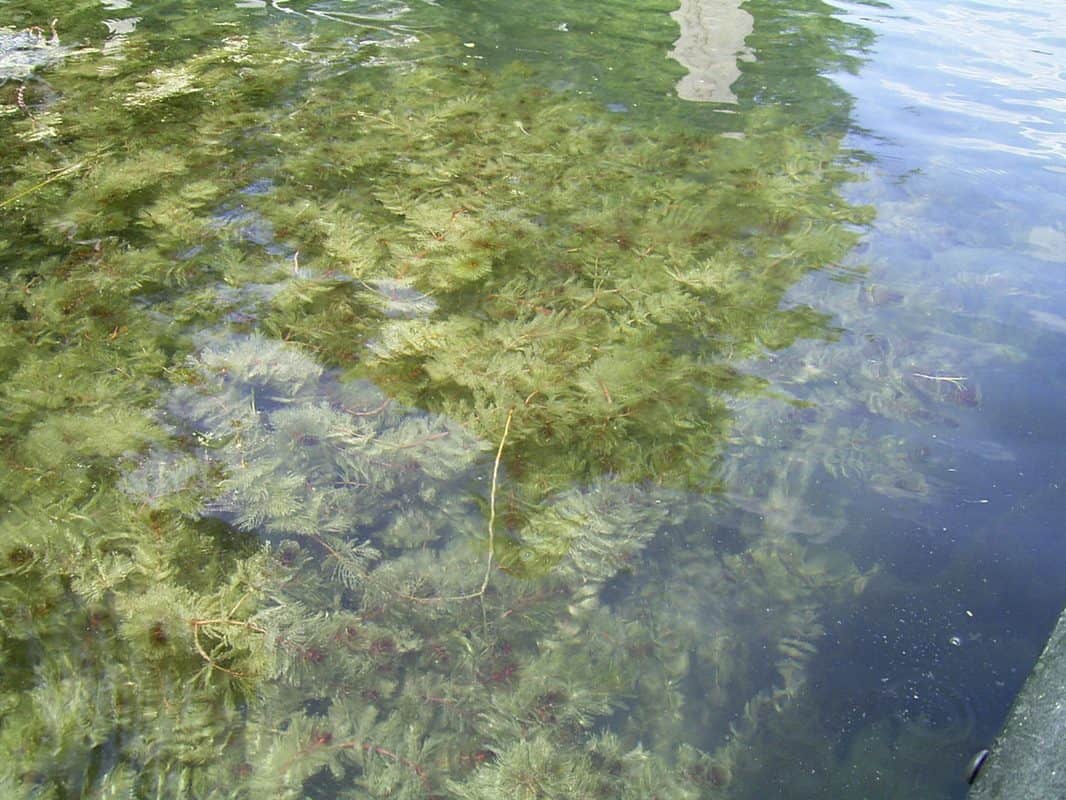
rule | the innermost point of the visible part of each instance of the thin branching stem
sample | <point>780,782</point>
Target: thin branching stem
<point>480,593</point>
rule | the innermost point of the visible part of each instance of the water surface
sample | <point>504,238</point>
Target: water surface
<point>427,401</point>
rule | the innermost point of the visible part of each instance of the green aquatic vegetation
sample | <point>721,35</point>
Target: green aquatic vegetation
<point>301,456</point>
<point>570,256</point>
<point>403,615</point>
<point>843,413</point>
<point>273,298</point>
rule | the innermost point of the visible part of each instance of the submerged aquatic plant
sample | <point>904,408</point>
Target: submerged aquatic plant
<point>362,411</point>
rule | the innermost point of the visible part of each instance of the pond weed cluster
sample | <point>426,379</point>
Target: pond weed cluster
<point>272,295</point>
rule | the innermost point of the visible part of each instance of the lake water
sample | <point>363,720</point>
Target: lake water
<point>579,400</point>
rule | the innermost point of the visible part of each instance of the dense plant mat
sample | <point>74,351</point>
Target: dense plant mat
<point>363,406</point>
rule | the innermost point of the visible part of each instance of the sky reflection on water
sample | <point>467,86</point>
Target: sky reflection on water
<point>961,107</point>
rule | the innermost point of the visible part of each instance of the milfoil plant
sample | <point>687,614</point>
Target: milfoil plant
<point>363,407</point>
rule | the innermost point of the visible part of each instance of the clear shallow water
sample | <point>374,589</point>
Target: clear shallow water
<point>960,107</point>
<point>833,588</point>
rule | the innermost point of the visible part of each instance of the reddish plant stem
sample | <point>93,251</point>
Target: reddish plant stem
<point>324,741</point>
<point>414,766</point>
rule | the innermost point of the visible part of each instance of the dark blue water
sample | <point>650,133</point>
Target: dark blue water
<point>960,106</point>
